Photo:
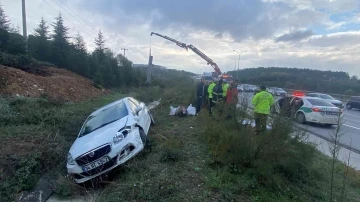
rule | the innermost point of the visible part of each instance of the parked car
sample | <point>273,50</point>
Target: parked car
<point>278,92</point>
<point>270,90</point>
<point>328,98</point>
<point>308,109</point>
<point>109,137</point>
<point>353,102</point>
<point>247,88</point>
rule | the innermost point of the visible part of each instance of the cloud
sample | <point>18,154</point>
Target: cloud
<point>339,40</point>
<point>242,19</point>
<point>295,36</point>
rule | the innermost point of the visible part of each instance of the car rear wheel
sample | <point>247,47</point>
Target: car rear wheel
<point>300,118</point>
<point>348,106</point>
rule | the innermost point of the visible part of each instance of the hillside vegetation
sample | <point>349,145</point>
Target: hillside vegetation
<point>55,47</point>
<point>304,79</point>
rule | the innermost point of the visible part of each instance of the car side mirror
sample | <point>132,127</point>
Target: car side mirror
<point>138,109</point>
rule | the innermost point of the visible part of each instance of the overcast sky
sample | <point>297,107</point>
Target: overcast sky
<point>316,34</point>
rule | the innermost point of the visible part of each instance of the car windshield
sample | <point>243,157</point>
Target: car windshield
<point>327,97</point>
<point>319,102</point>
<point>103,118</point>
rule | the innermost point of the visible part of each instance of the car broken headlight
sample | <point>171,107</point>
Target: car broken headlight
<point>70,160</point>
<point>120,135</point>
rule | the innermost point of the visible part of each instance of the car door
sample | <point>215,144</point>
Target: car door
<point>295,105</point>
<point>143,115</point>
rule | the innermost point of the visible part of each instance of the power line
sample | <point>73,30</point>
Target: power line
<point>70,14</point>
<point>65,17</point>
<point>77,15</point>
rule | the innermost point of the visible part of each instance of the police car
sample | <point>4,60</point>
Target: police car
<point>308,109</point>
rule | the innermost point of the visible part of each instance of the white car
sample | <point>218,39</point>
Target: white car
<point>308,109</point>
<point>328,98</point>
<point>109,137</point>
<point>278,92</point>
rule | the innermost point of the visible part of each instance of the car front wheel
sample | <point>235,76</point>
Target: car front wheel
<point>348,106</point>
<point>300,118</point>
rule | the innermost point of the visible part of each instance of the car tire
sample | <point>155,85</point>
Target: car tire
<point>300,118</point>
<point>348,106</point>
<point>152,119</point>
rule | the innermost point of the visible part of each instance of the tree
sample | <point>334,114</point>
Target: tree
<point>354,78</point>
<point>79,57</point>
<point>60,44</point>
<point>42,30</point>
<point>80,43</point>
<point>100,41</point>
<point>14,30</point>
<point>38,44</point>
<point>4,22</point>
<point>126,69</point>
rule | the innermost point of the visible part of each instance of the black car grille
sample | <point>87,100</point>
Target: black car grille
<point>96,170</point>
<point>93,155</point>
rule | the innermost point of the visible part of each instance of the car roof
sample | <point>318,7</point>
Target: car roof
<point>306,97</point>
<point>319,93</point>
<point>109,105</point>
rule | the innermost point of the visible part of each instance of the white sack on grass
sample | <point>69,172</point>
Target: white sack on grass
<point>252,123</point>
<point>173,111</point>
<point>191,110</point>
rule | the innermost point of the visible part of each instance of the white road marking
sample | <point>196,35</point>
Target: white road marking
<point>351,126</point>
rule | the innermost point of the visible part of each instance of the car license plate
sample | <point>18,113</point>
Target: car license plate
<point>95,164</point>
<point>332,113</point>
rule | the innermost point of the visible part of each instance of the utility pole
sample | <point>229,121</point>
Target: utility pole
<point>24,19</point>
<point>149,70</point>
<point>124,51</point>
<point>237,74</point>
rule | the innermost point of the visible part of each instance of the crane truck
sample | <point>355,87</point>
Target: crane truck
<point>217,72</point>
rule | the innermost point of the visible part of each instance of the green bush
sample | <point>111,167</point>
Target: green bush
<point>274,159</point>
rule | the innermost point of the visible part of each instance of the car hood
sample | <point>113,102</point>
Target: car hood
<point>96,138</point>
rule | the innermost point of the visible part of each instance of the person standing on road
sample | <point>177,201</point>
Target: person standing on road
<point>262,102</point>
<point>200,94</point>
<point>210,92</point>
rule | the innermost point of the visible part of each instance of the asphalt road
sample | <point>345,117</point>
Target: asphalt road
<point>349,129</point>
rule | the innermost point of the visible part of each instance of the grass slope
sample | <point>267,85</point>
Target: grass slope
<point>192,158</point>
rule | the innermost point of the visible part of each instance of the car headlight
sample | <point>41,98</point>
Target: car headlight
<point>70,159</point>
<point>120,135</point>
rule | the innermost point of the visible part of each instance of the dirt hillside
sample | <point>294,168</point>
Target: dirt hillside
<point>55,83</point>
